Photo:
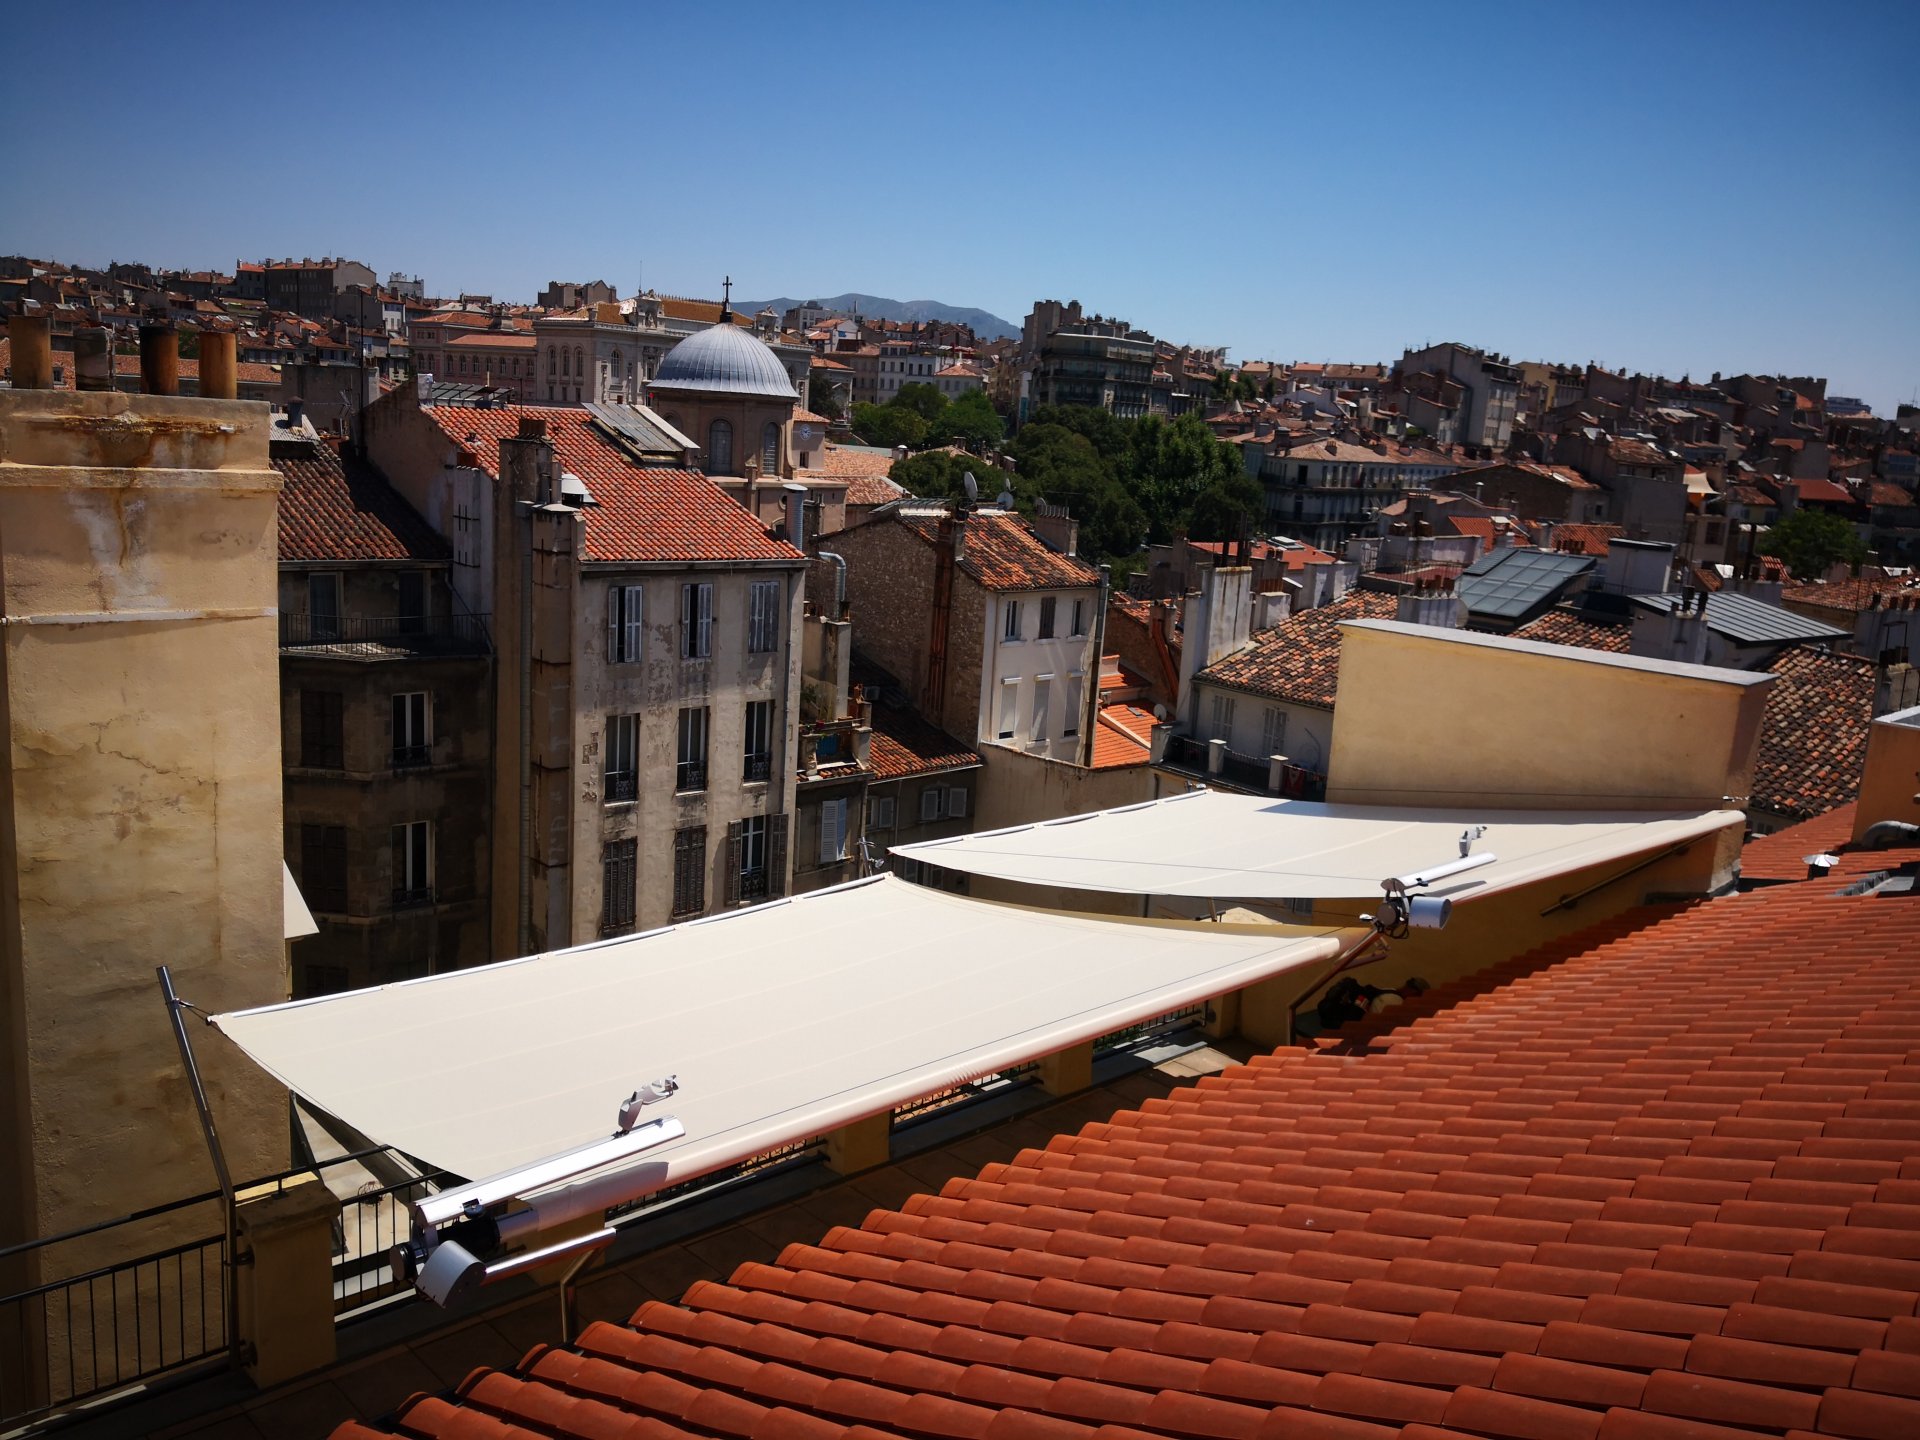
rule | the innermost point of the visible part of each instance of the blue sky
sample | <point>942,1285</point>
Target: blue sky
<point>1683,187</point>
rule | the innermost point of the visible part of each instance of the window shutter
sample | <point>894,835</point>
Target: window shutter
<point>733,861</point>
<point>930,804</point>
<point>686,620</point>
<point>828,830</point>
<point>1042,693</point>
<point>613,625</point>
<point>776,855</point>
<point>631,639</point>
<point>956,803</point>
<point>706,619</point>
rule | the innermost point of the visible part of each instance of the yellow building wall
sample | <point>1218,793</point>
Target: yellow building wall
<point>1890,782</point>
<point>141,796</point>
<point>1454,719</point>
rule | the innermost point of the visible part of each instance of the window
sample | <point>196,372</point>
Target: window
<point>720,448</point>
<point>323,867</point>
<point>622,775</point>
<point>1222,726</point>
<point>763,617</point>
<point>1273,731</point>
<point>1048,605</point>
<point>770,449</point>
<point>696,621</point>
<point>413,602</point>
<point>1009,709</point>
<point>626,641</point>
<point>1075,699</point>
<point>758,763</point>
<point>833,831</point>
<point>1079,618</point>
<point>413,864</point>
<point>689,870</point>
<point>691,771</point>
<point>756,858</point>
<point>1010,609</point>
<point>1038,727</point>
<point>933,804</point>
<point>619,882</point>
<point>323,607</point>
<point>956,803</point>
<point>566,362</point>
<point>412,740</point>
<point>322,741</point>
<point>880,812</point>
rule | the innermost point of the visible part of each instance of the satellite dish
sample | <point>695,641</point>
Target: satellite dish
<point>970,485</point>
<point>1005,501</point>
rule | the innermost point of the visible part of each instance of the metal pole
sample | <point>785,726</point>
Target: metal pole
<point>175,1005</point>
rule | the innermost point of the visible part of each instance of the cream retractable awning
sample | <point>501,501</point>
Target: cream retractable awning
<point>782,1022</point>
<point>1209,845</point>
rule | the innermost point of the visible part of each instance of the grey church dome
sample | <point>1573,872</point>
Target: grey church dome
<point>726,358</point>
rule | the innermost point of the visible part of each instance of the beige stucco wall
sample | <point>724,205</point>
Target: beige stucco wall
<point>1890,783</point>
<point>141,795</point>
<point>1452,718</point>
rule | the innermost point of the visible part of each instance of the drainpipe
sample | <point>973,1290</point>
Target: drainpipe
<point>1092,698</point>
<point>839,582</point>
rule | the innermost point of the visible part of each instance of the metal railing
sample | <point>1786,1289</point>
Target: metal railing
<point>1248,772</point>
<point>412,757</point>
<point>412,898</point>
<point>1148,1032</point>
<point>403,634</point>
<point>757,767</point>
<point>621,786</point>
<point>690,775</point>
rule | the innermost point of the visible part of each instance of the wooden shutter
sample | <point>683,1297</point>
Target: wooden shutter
<point>613,625</point>
<point>630,618</point>
<point>734,829</point>
<point>706,619</point>
<point>776,855</point>
<point>686,620</point>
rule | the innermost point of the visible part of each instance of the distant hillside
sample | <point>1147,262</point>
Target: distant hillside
<point>878,307</point>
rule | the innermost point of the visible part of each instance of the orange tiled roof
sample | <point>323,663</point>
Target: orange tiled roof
<point>904,744</point>
<point>337,507</point>
<point>1782,855</point>
<point>1123,736</point>
<point>1557,627</point>
<point>846,462</point>
<point>1000,552</point>
<point>1299,659</point>
<point>1813,737</point>
<point>1657,1179</point>
<point>1856,594</point>
<point>1824,491</point>
<point>642,514</point>
<point>873,490</point>
<point>1581,539</point>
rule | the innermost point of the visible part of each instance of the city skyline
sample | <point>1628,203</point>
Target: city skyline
<point>1640,189</point>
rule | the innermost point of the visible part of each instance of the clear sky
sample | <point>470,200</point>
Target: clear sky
<point>1679,187</point>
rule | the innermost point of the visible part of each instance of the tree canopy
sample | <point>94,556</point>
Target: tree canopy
<point>1812,542</point>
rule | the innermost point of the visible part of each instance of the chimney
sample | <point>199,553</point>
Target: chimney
<point>93,358</point>
<point>296,412</point>
<point>1437,607</point>
<point>32,358</point>
<point>159,358</point>
<point>219,368</point>
<point>533,427</point>
<point>796,503</point>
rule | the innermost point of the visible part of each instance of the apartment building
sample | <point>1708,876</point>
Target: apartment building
<point>386,718</point>
<point>1489,384</point>
<point>648,665</point>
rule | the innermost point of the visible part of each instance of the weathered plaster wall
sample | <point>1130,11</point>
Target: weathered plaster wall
<point>142,793</point>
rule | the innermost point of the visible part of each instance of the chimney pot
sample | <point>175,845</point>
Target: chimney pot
<point>32,351</point>
<point>159,358</point>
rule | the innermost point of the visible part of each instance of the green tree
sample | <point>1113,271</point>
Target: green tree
<point>922,399</point>
<point>889,425</point>
<point>1108,433</point>
<point>1061,465</point>
<point>823,400</point>
<point>971,421</point>
<point>1171,464</point>
<point>940,475</point>
<point>1812,542</point>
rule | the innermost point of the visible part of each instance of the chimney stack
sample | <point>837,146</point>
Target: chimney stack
<point>296,412</point>
<point>159,357</point>
<point>796,502</point>
<point>219,368</point>
<point>533,427</point>
<point>92,358</point>
<point>32,359</point>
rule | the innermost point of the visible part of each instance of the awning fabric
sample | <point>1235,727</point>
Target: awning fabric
<point>296,920</point>
<point>782,1022</point>
<point>1210,845</point>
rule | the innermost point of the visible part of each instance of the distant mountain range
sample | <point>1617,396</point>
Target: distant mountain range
<point>877,307</point>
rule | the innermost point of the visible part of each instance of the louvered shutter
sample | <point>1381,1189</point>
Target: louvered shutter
<point>613,625</point>
<point>776,855</point>
<point>734,829</point>
<point>631,620</point>
<point>706,619</point>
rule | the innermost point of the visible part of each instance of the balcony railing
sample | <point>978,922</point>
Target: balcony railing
<point>757,767</point>
<point>622,786</point>
<point>376,635</point>
<point>1189,754</point>
<point>412,898</point>
<point>690,775</point>
<point>412,757</point>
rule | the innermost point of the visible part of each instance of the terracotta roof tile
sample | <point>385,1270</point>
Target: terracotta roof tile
<point>642,514</point>
<point>1813,738</point>
<point>903,744</point>
<point>334,506</point>
<point>1000,551</point>
<point>1299,659</point>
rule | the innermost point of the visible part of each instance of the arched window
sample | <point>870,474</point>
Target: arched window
<point>566,363</point>
<point>770,449</point>
<point>720,448</point>
<point>550,360</point>
<point>579,360</point>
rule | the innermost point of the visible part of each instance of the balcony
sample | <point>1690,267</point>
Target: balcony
<point>622,786</point>
<point>412,757</point>
<point>690,775</point>
<point>416,898</point>
<point>382,637</point>
<point>756,768</point>
<point>1246,774</point>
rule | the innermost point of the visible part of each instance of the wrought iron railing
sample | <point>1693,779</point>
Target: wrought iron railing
<point>412,757</point>
<point>690,775</point>
<point>412,897</point>
<point>1248,772</point>
<point>622,786</point>
<point>405,634</point>
<point>757,767</point>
